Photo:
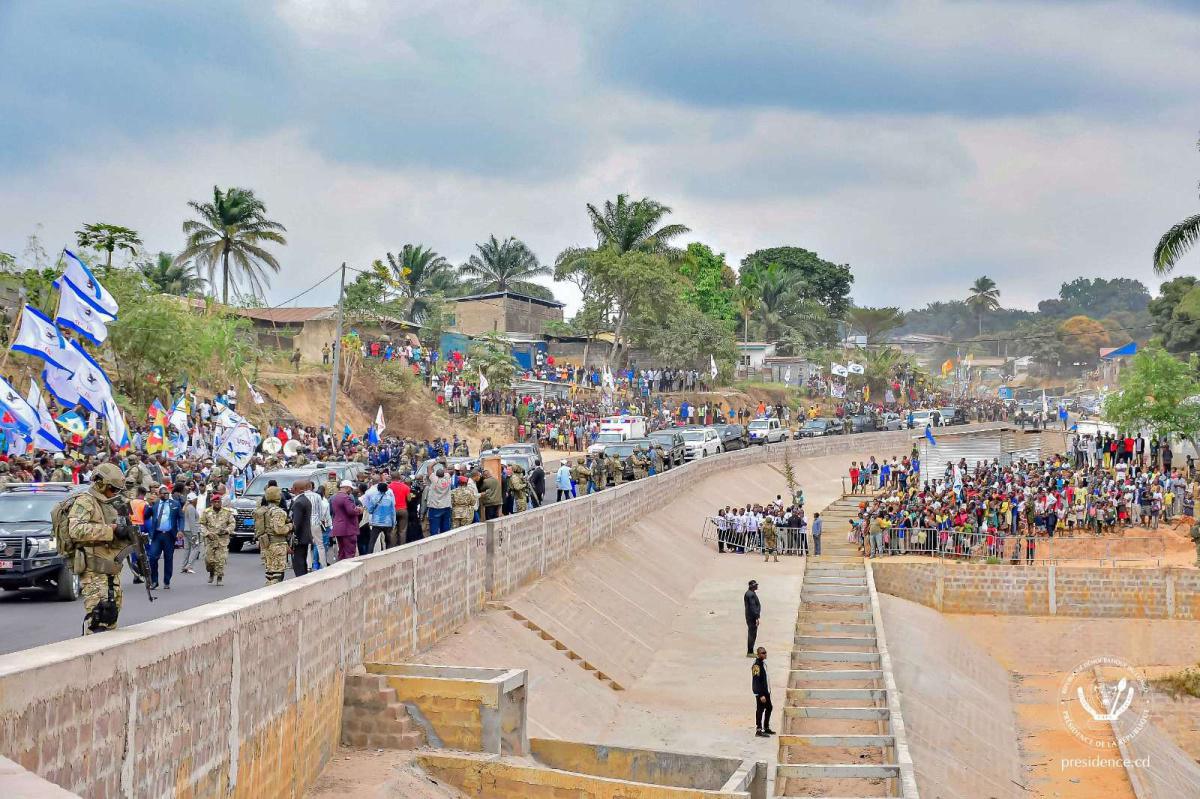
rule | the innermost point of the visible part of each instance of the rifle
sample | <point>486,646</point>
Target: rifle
<point>131,533</point>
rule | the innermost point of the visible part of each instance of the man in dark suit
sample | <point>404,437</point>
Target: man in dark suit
<point>302,536</point>
<point>164,520</point>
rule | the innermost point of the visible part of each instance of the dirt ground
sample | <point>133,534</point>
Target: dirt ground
<point>377,774</point>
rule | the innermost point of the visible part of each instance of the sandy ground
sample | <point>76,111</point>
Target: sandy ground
<point>1040,652</point>
<point>377,774</point>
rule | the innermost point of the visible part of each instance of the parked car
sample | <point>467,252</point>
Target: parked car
<point>673,447</point>
<point>766,431</point>
<point>523,448</point>
<point>702,442</point>
<point>952,415</point>
<point>861,423</point>
<point>922,418</point>
<point>29,555</point>
<point>891,421</point>
<point>733,436</point>
<point>624,449</point>
<point>820,427</point>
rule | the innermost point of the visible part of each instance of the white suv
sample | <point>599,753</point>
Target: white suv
<point>766,431</point>
<point>701,443</point>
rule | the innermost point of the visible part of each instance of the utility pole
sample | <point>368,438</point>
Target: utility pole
<point>337,355</point>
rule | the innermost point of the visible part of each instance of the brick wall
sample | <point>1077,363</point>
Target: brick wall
<point>1087,592</point>
<point>243,697</point>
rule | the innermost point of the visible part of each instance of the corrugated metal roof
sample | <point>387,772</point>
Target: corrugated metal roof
<point>514,294</point>
<point>285,316</point>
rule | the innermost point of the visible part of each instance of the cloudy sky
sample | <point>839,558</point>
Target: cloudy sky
<point>923,142</point>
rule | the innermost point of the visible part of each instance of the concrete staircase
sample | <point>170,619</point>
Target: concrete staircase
<point>569,653</point>
<point>374,718</point>
<point>835,737</point>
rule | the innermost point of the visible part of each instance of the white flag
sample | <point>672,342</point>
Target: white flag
<point>838,369</point>
<point>90,381</point>
<point>47,437</point>
<point>60,385</point>
<point>238,445</point>
<point>483,383</point>
<point>37,336</point>
<point>254,395</point>
<point>787,374</point>
<point>379,425</point>
<point>856,368</point>
<point>21,411</point>
<point>74,313</point>
<point>114,421</point>
<point>712,366</point>
<point>89,288</point>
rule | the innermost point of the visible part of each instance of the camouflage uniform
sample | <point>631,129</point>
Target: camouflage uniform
<point>638,462</point>
<point>600,473</point>
<point>90,524</point>
<point>271,528</point>
<point>60,475</point>
<point>657,459</point>
<point>462,506</point>
<point>331,488</point>
<point>301,460</point>
<point>486,444</point>
<point>518,486</point>
<point>4,478</point>
<point>216,527</point>
<point>137,476</point>
<point>616,470</point>
<point>770,540</point>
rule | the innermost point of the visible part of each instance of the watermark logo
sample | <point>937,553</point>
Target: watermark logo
<point>1105,702</point>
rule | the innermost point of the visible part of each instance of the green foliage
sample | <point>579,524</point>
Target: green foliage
<point>789,476</point>
<point>811,277</point>
<point>168,275</point>
<point>436,320</point>
<point>505,265</point>
<point>711,283</point>
<point>1157,391</point>
<point>8,262</point>
<point>228,238</point>
<point>1097,297</point>
<point>1175,314</point>
<point>874,323</point>
<point>492,357</point>
<point>418,273</point>
<point>1175,243</point>
<point>1181,683</point>
<point>1081,340</point>
<point>108,238</point>
<point>687,336</point>
<point>983,298</point>
<point>394,377</point>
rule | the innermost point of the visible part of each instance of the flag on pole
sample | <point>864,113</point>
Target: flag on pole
<point>483,381</point>
<point>37,336</point>
<point>24,417</point>
<point>87,286</point>
<point>47,437</point>
<point>838,369</point>
<point>372,435</point>
<point>787,374</point>
<point>157,441</point>
<point>947,368</point>
<point>237,445</point>
<point>380,425</point>
<point>73,423</point>
<point>712,366</point>
<point>90,381</point>
<point>929,436</point>
<point>178,418</point>
<point>855,368</point>
<point>114,421</point>
<point>74,313</point>
<point>254,395</point>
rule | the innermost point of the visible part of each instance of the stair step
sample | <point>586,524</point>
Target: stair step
<point>835,640</point>
<point>837,693</point>
<point>834,627</point>
<point>840,616</point>
<point>848,741</point>
<point>822,712</point>
<point>811,655</point>
<point>842,589</point>
<point>834,599</point>
<point>823,675</point>
<point>816,579</point>
<point>800,771</point>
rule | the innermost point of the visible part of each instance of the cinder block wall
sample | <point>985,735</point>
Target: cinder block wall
<point>1087,592</point>
<point>243,697</point>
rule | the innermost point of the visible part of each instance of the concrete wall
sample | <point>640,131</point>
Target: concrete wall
<point>958,717</point>
<point>1087,592</point>
<point>243,697</point>
<point>637,765</point>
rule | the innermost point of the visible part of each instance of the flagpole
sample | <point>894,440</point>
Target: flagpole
<point>337,352</point>
<point>12,334</point>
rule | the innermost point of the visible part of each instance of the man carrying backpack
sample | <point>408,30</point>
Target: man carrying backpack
<point>95,540</point>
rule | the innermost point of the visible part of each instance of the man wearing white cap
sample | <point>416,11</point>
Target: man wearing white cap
<point>191,533</point>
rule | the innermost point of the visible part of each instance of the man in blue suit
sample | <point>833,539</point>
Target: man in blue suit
<point>164,518</point>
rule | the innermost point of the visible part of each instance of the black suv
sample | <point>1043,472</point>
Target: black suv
<point>733,436</point>
<point>672,446</point>
<point>244,504</point>
<point>28,552</point>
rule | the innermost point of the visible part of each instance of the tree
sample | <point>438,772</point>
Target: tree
<point>1082,338</point>
<point>629,269</point>
<point>168,275</point>
<point>711,282</point>
<point>1175,314</point>
<point>983,298</point>
<point>1097,297</point>
<point>233,228</point>
<point>417,273</point>
<point>1159,392</point>
<point>1175,243</point>
<point>503,266</point>
<point>108,238</point>
<point>492,358</point>
<point>812,277</point>
<point>874,323</point>
<point>687,336</point>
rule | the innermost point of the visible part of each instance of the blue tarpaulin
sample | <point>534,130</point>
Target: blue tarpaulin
<point>1119,352</point>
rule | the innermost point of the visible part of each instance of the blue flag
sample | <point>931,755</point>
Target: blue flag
<point>346,431</point>
<point>372,435</point>
<point>929,436</point>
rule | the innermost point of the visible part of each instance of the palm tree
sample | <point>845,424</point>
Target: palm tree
<point>168,275</point>
<point>106,237</point>
<point>983,298</point>
<point>503,266</point>
<point>874,322</point>
<point>233,227</point>
<point>418,273</point>
<point>1175,243</point>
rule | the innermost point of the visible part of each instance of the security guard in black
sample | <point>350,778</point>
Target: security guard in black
<point>762,695</point>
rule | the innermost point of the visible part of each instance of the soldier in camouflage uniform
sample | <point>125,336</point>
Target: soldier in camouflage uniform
<point>770,539</point>
<point>136,476</point>
<point>331,485</point>
<point>92,525</point>
<point>486,444</point>
<point>273,462</point>
<point>216,525</point>
<point>518,486</point>
<point>62,472</point>
<point>271,528</point>
<point>638,461</point>
<point>580,475</point>
<point>5,478</point>
<point>616,469</point>
<point>600,472</point>
<point>301,459</point>
<point>656,459</point>
<point>463,499</point>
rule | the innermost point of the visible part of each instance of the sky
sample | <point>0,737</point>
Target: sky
<point>924,143</point>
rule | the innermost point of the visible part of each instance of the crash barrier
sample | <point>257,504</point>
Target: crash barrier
<point>1015,549</point>
<point>243,696</point>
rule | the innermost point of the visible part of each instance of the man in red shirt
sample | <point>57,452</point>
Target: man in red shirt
<point>400,490</point>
